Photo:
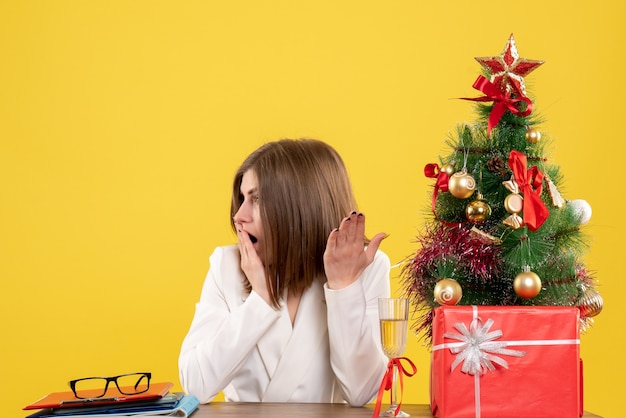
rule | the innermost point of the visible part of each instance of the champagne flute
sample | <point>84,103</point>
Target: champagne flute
<point>394,319</point>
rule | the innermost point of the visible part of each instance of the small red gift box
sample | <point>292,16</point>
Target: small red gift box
<point>506,362</point>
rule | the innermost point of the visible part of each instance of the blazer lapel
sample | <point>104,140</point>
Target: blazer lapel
<point>309,335</point>
<point>272,345</point>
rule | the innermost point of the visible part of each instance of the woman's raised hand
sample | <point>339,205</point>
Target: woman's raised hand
<point>346,257</point>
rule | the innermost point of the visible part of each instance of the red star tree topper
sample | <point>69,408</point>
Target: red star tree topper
<point>508,69</point>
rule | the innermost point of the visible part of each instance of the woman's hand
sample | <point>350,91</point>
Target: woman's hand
<point>345,257</point>
<point>251,264</point>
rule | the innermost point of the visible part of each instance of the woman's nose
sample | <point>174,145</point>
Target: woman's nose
<point>242,214</point>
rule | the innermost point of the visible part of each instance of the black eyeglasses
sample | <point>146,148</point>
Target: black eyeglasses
<point>96,387</point>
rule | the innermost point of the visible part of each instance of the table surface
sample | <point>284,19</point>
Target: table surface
<point>246,410</point>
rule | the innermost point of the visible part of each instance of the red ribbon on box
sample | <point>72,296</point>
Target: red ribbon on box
<point>387,382</point>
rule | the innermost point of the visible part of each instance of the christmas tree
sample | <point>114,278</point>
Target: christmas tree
<point>500,233</point>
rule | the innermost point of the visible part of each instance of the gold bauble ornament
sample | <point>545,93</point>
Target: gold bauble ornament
<point>447,292</point>
<point>527,284</point>
<point>533,135</point>
<point>448,169</point>
<point>591,303</point>
<point>461,184</point>
<point>478,211</point>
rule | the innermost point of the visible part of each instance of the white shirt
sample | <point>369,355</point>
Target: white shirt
<point>240,345</point>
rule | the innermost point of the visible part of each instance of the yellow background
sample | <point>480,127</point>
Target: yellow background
<point>122,122</point>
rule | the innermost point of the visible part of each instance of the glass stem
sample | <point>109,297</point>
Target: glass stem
<point>394,388</point>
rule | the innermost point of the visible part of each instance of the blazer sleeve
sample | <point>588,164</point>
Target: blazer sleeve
<point>220,337</point>
<point>356,355</point>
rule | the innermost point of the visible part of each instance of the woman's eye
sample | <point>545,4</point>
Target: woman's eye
<point>255,199</point>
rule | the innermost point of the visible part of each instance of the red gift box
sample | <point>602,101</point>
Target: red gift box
<point>506,362</point>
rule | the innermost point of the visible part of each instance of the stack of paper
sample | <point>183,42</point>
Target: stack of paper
<point>156,402</point>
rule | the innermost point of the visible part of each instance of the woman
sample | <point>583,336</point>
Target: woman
<point>289,314</point>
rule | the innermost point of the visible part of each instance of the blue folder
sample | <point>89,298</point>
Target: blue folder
<point>175,405</point>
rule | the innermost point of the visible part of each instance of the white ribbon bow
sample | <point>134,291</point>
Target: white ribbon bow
<point>477,348</point>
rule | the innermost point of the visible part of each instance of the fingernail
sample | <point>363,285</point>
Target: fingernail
<point>347,219</point>
<point>360,215</point>
<point>353,212</point>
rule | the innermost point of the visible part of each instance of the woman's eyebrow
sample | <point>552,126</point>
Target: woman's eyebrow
<point>249,192</point>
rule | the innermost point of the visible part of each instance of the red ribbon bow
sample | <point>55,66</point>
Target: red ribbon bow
<point>387,382</point>
<point>433,171</point>
<point>530,183</point>
<point>502,101</point>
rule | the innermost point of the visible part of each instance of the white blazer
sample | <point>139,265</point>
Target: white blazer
<point>240,345</point>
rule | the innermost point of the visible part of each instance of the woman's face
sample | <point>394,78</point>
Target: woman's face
<point>249,214</point>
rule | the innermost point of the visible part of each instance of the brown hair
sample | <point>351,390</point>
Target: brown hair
<point>304,193</point>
